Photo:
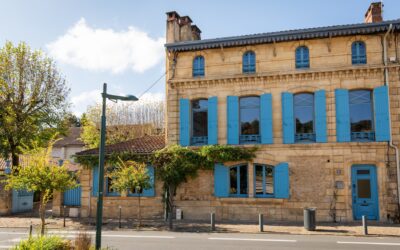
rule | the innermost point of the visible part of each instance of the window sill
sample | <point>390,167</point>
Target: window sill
<point>113,194</point>
<point>249,200</point>
<point>265,196</point>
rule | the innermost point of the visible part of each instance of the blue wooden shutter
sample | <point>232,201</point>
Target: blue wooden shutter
<point>342,115</point>
<point>221,180</point>
<point>287,118</point>
<point>281,180</point>
<point>233,119</point>
<point>150,191</point>
<point>184,125</point>
<point>381,109</point>
<point>266,119</point>
<point>320,116</point>
<point>213,120</point>
<point>95,183</point>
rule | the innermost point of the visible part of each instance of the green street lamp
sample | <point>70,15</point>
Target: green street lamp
<point>99,214</point>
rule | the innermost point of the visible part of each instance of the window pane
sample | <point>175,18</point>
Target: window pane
<point>233,180</point>
<point>199,116</point>
<point>361,111</point>
<point>250,115</point>
<point>269,180</point>
<point>259,179</point>
<point>243,179</point>
<point>364,189</point>
<point>304,113</point>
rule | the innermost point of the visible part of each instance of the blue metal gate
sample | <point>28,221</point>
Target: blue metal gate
<point>22,201</point>
<point>72,197</point>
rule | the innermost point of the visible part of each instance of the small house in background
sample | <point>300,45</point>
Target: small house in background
<point>152,205</point>
<point>68,145</point>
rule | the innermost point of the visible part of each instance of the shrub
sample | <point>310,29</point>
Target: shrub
<point>83,241</point>
<point>44,243</point>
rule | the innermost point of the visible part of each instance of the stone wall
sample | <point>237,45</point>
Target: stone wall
<point>5,198</point>
<point>314,168</point>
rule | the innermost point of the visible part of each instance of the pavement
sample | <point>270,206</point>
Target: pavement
<point>209,241</point>
<point>278,227</point>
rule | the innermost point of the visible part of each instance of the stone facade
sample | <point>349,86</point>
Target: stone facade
<point>320,173</point>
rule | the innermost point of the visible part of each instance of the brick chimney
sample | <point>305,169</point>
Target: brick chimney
<point>374,13</point>
<point>180,29</point>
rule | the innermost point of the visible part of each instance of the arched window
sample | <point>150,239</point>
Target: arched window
<point>361,115</point>
<point>249,119</point>
<point>198,66</point>
<point>358,53</point>
<point>199,122</point>
<point>249,62</point>
<point>304,117</point>
<point>302,58</point>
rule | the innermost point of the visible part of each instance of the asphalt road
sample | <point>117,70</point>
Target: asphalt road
<point>209,241</point>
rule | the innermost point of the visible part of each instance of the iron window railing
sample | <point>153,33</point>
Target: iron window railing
<point>249,139</point>
<point>305,137</point>
<point>199,140</point>
<point>363,136</point>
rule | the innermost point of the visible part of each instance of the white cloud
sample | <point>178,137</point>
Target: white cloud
<point>83,100</point>
<point>106,49</point>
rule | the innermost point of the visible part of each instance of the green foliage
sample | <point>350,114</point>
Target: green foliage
<point>41,175</point>
<point>225,153</point>
<point>52,242</point>
<point>33,99</point>
<point>130,175</point>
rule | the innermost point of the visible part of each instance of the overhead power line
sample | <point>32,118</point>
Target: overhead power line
<point>153,84</point>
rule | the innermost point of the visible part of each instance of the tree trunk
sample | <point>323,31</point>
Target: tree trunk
<point>170,206</point>
<point>42,212</point>
<point>139,215</point>
<point>14,156</point>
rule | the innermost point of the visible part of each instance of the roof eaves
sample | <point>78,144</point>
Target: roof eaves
<point>289,35</point>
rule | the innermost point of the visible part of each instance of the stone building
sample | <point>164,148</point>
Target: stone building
<point>321,104</point>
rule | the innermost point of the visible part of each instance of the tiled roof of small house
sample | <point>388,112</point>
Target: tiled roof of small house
<point>288,35</point>
<point>144,145</point>
<point>71,139</point>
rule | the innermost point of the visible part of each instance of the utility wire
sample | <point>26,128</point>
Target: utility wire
<point>153,84</point>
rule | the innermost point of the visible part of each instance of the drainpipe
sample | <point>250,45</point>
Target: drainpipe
<point>390,117</point>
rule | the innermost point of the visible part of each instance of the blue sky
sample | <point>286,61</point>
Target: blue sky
<point>121,42</point>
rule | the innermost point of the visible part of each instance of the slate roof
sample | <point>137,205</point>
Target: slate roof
<point>144,145</point>
<point>289,35</point>
<point>71,139</point>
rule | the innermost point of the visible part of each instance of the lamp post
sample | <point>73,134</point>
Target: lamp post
<point>99,214</point>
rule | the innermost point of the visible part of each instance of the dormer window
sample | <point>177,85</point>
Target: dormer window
<point>302,58</point>
<point>249,62</point>
<point>198,66</point>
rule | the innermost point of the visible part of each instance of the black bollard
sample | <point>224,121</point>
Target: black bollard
<point>120,213</point>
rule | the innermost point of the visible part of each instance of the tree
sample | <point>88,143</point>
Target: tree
<point>125,121</point>
<point>33,99</point>
<point>133,176</point>
<point>41,175</point>
<point>175,164</point>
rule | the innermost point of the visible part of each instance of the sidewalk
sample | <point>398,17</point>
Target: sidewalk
<point>340,229</point>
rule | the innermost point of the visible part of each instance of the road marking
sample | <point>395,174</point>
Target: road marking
<point>138,236</point>
<point>6,247</point>
<point>247,239</point>
<point>369,243</point>
<point>13,233</point>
